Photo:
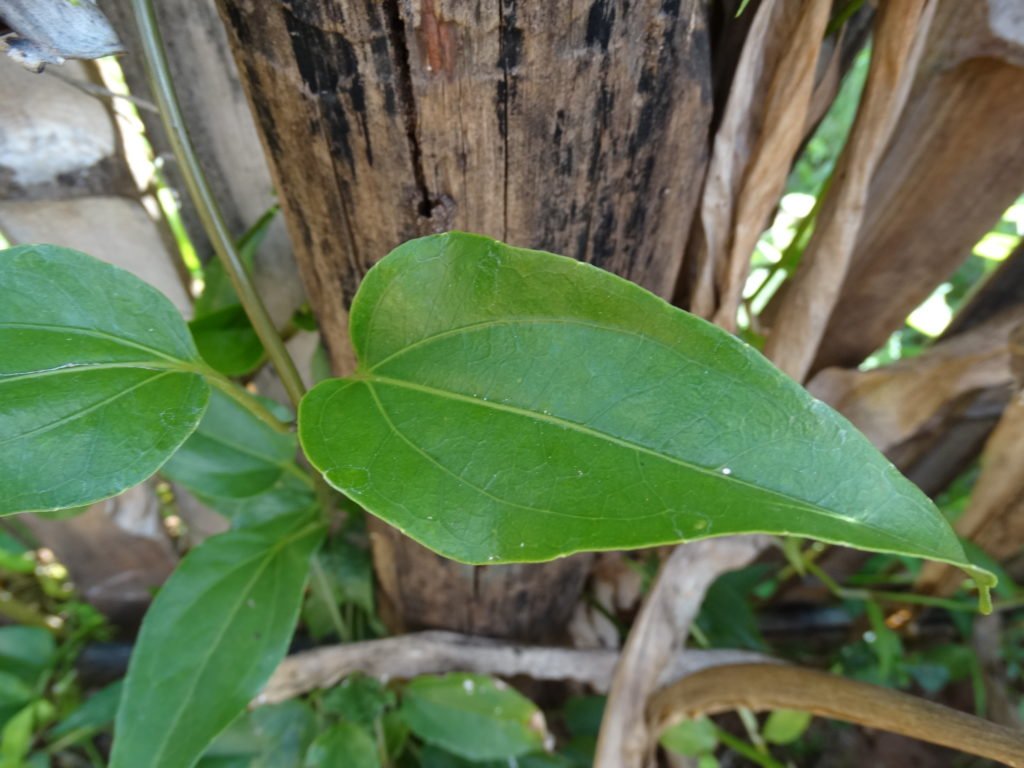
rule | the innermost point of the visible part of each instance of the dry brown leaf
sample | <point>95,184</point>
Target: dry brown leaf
<point>894,404</point>
<point>994,519</point>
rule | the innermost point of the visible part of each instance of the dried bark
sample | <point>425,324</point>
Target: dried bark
<point>954,164</point>
<point>754,148</point>
<point>582,130</point>
<point>994,519</point>
<point>900,31</point>
<point>897,404</point>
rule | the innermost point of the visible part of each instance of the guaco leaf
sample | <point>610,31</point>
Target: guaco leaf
<point>211,638</point>
<point>233,454</point>
<point>99,379</point>
<point>514,406</point>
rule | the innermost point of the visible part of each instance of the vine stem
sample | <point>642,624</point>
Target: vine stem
<point>224,245</point>
<point>763,687</point>
<point>241,396</point>
<point>206,203</point>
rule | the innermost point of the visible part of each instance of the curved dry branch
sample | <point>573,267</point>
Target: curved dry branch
<point>660,628</point>
<point>425,653</point>
<point>762,687</point>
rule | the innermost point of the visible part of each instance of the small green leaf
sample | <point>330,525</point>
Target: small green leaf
<point>97,712</point>
<point>473,716</point>
<point>272,736</point>
<point>583,714</point>
<point>785,726</point>
<point>345,745</point>
<point>690,737</point>
<point>348,570</point>
<point>396,733</point>
<point>232,454</point>
<point>26,652</point>
<point>188,677</point>
<point>516,406</point>
<point>99,379</point>
<point>14,693</point>
<point>727,617</point>
<point>18,732</point>
<point>289,495</point>
<point>358,699</point>
<point>15,556</point>
<point>227,341</point>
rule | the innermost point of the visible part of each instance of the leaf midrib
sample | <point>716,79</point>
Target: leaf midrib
<point>145,365</point>
<point>95,334</point>
<point>85,411</point>
<point>798,504</point>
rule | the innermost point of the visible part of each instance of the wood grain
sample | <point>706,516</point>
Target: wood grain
<point>579,128</point>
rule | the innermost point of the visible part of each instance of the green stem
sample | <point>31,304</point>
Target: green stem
<point>245,399</point>
<point>206,203</point>
<point>740,747</point>
<point>886,596</point>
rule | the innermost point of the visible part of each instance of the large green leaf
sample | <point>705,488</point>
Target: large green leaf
<point>474,716</point>
<point>99,379</point>
<point>233,454</point>
<point>212,637</point>
<point>513,405</point>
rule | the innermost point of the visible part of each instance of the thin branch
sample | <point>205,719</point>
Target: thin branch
<point>206,203</point>
<point>661,627</point>
<point>424,653</point>
<point>763,687</point>
<point>101,92</point>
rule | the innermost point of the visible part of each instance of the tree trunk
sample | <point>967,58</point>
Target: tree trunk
<point>581,129</point>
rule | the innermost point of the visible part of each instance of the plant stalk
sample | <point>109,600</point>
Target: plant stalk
<point>762,687</point>
<point>206,203</point>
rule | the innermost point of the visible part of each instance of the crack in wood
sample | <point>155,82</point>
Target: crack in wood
<point>407,99</point>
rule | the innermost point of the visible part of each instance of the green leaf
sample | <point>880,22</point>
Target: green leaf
<point>358,699</point>
<point>273,736</point>
<point>212,637</point>
<point>516,406</point>
<point>15,557</point>
<point>727,617</point>
<point>18,732</point>
<point>583,714</point>
<point>99,379</point>
<point>96,713</point>
<point>785,726</point>
<point>348,572</point>
<point>432,757</point>
<point>27,652</point>
<point>473,716</point>
<point>289,495</point>
<point>233,454</point>
<point>345,745</point>
<point>690,737</point>
<point>227,341</point>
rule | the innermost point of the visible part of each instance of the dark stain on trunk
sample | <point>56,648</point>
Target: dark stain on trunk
<point>600,21</point>
<point>329,67</point>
